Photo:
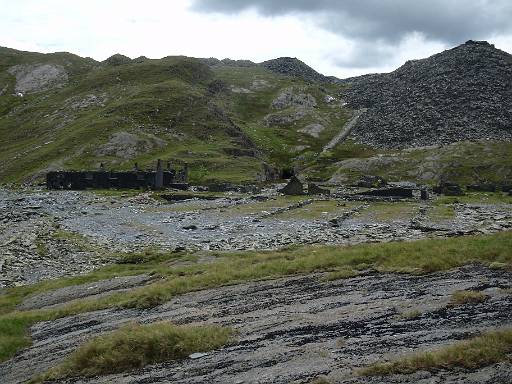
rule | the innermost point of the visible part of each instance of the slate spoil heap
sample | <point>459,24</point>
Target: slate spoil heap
<point>464,93</point>
<point>294,67</point>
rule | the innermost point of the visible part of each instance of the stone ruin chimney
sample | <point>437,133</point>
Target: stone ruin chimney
<point>159,177</point>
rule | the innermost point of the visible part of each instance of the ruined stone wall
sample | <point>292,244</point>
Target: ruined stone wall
<point>120,180</point>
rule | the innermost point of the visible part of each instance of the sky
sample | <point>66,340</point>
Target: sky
<point>342,38</point>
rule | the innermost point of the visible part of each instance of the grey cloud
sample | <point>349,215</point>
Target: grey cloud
<point>378,26</point>
<point>364,55</point>
<point>450,21</point>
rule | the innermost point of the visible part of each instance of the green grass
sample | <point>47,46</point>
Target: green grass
<point>135,346</point>
<point>423,256</point>
<point>484,350</point>
<point>389,211</point>
<point>475,198</point>
<point>463,162</point>
<point>13,334</point>
<point>343,273</point>
<point>409,315</point>
<point>467,297</point>
<point>169,98</point>
<point>442,212</point>
<point>320,380</point>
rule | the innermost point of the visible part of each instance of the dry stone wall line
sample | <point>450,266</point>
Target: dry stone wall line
<point>288,208</point>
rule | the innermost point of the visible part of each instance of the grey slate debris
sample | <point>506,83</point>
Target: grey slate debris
<point>460,94</point>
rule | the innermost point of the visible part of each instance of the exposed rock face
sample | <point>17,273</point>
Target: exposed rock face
<point>127,145</point>
<point>213,62</point>
<point>460,94</point>
<point>290,330</point>
<point>289,98</point>
<point>292,105</point>
<point>38,77</point>
<point>294,67</point>
<point>314,130</point>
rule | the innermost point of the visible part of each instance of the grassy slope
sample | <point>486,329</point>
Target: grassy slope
<point>408,257</point>
<point>170,98</point>
<point>464,163</point>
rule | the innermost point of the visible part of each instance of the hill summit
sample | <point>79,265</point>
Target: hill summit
<point>292,66</point>
<point>460,94</point>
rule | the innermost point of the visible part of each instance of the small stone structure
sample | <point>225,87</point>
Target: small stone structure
<point>314,189</point>
<point>482,187</point>
<point>449,189</point>
<point>294,187</point>
<point>101,179</point>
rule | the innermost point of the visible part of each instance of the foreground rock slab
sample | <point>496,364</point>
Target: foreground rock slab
<point>294,329</point>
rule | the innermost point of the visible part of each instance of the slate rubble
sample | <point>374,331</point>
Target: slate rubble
<point>464,93</point>
<point>30,251</point>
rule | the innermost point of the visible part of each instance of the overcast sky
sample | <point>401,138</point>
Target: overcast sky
<point>336,37</point>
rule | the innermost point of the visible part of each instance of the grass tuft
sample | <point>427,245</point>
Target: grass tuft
<point>135,346</point>
<point>486,349</point>
<point>410,315</point>
<point>343,273</point>
<point>320,380</point>
<point>467,297</point>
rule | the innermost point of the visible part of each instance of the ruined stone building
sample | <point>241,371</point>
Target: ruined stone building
<point>102,179</point>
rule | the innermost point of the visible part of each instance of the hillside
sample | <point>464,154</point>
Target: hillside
<point>231,119</point>
<point>224,118</point>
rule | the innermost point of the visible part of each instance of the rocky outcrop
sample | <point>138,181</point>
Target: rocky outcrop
<point>117,59</point>
<point>125,145</point>
<point>292,66</point>
<point>313,130</point>
<point>291,105</point>
<point>289,98</point>
<point>38,77</point>
<point>460,94</point>
<point>291,330</point>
